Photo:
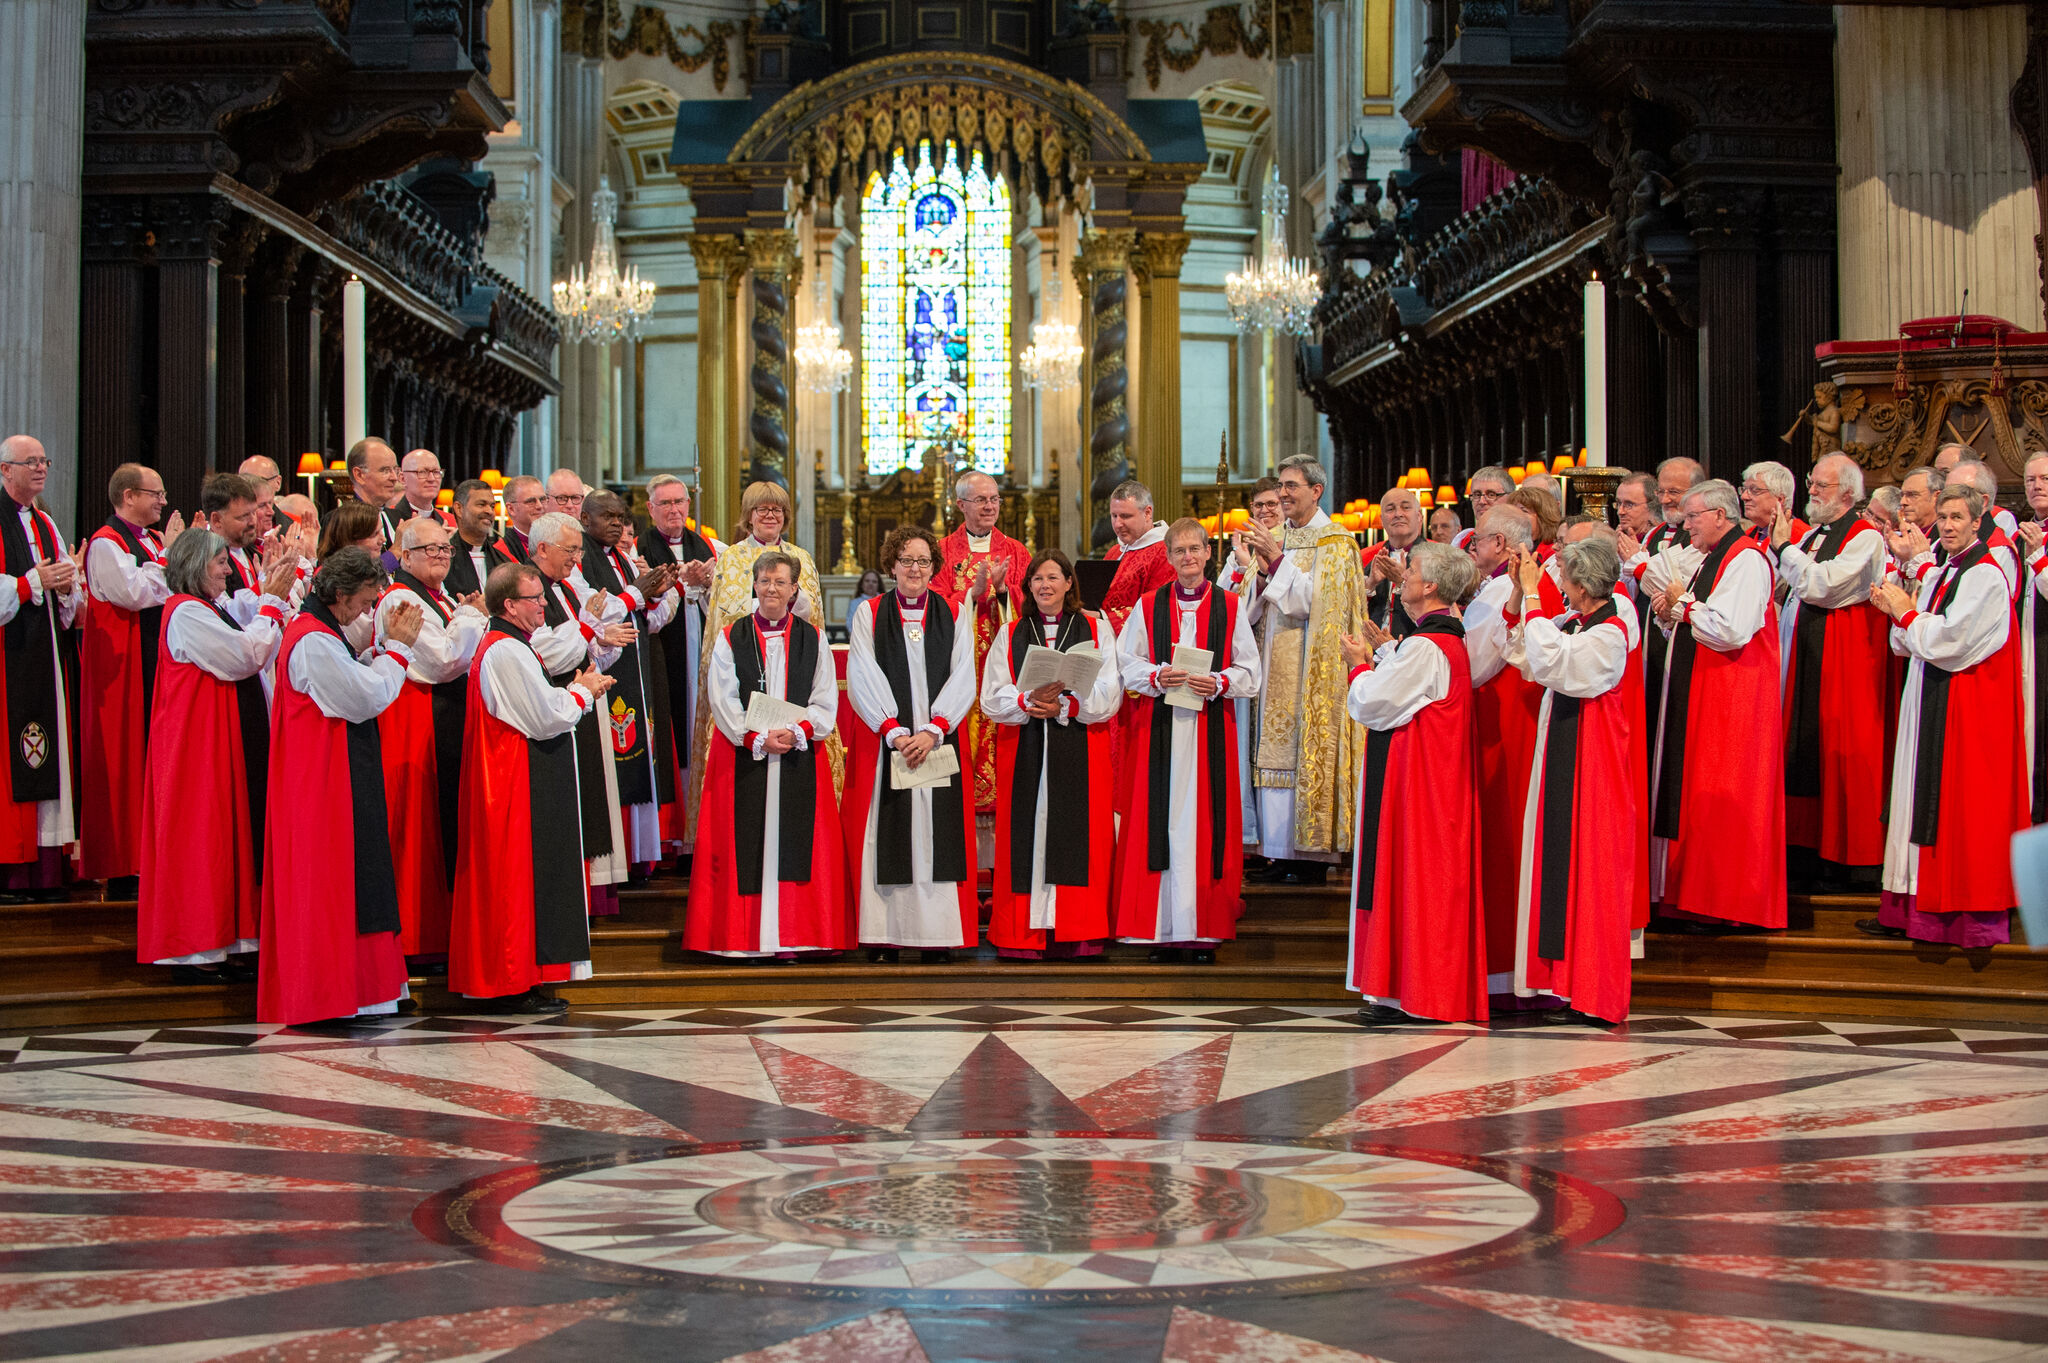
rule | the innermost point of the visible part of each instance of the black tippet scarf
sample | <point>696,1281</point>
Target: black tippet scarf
<point>1159,773</point>
<point>35,649</point>
<point>1678,668</point>
<point>1931,745</point>
<point>1654,646</point>
<point>1061,750</point>
<point>1383,604</point>
<point>451,709</point>
<point>150,619</point>
<point>893,807</point>
<point>561,907</point>
<point>2040,696</point>
<point>1560,784</point>
<point>376,881</point>
<point>463,578</point>
<point>675,640</point>
<point>1379,744</point>
<point>643,685</point>
<point>252,711</point>
<point>799,799</point>
<point>591,749</point>
<point>1809,647</point>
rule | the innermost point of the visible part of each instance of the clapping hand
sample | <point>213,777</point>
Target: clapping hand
<point>1357,652</point>
<point>1781,529</point>
<point>1906,543</point>
<point>1240,551</point>
<point>697,574</point>
<point>1264,542</point>
<point>1666,601</point>
<point>1375,637</point>
<point>278,575</point>
<point>619,635</point>
<point>595,604</point>
<point>1528,574</point>
<point>655,583</point>
<point>2030,536</point>
<point>593,681</point>
<point>173,528</point>
<point>57,575</point>
<point>1629,545</point>
<point>1891,598</point>
<point>1386,570</point>
<point>475,601</point>
<point>403,624</point>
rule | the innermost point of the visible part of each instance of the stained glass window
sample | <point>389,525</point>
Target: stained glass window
<point>935,313</point>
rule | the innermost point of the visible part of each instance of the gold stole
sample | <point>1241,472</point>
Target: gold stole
<point>1306,740</point>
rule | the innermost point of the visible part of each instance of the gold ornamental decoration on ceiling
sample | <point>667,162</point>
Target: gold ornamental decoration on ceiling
<point>1039,133</point>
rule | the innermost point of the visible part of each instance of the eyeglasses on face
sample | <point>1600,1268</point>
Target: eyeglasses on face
<point>433,550</point>
<point>992,499</point>
<point>913,563</point>
<point>37,462</point>
<point>529,596</point>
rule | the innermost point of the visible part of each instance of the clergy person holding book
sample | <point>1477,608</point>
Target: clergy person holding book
<point>1187,654</point>
<point>768,878</point>
<point>1050,687</point>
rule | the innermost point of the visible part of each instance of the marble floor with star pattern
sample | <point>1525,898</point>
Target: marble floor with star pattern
<point>885,1183</point>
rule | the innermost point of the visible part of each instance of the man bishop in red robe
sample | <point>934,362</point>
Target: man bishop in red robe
<point>1835,681</point>
<point>984,575</point>
<point>1418,933</point>
<point>769,877</point>
<point>1958,772</point>
<point>520,894</point>
<point>1180,853</point>
<point>1717,813</point>
<point>124,606</point>
<point>1141,569</point>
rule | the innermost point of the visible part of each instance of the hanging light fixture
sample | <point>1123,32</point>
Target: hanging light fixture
<point>823,365</point>
<point>603,306</point>
<point>1052,361</point>
<point>1273,292</point>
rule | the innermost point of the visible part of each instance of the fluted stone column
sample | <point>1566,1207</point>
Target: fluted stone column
<point>42,140</point>
<point>772,257</point>
<point>718,256</point>
<point>1157,264</point>
<point>1099,271</point>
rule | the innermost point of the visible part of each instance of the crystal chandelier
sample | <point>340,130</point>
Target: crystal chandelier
<point>1274,293</point>
<point>1052,361</point>
<point>822,364</point>
<point>603,306</point>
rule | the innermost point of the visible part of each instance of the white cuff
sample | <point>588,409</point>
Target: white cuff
<point>760,747</point>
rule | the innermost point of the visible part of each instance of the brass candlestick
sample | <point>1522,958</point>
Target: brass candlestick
<point>1595,487</point>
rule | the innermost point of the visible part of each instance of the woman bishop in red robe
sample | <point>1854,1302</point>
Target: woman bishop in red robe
<point>769,878</point>
<point>1418,935</point>
<point>330,901</point>
<point>206,782</point>
<point>521,896</point>
<point>1576,897</point>
<point>1055,777</point>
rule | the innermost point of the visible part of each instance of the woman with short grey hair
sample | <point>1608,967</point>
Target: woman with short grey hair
<point>1593,563</point>
<point>187,561</point>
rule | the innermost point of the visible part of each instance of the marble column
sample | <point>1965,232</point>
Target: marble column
<point>718,256</point>
<point>1158,262</point>
<point>1100,271</point>
<point>772,258</point>
<point>42,96</point>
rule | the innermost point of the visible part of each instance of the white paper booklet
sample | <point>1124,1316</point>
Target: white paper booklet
<point>940,765</point>
<point>1192,660</point>
<point>1075,671</point>
<point>766,713</point>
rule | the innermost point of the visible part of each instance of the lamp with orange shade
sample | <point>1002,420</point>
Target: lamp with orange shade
<point>1518,473</point>
<point>1447,495</point>
<point>1562,464</point>
<point>310,465</point>
<point>445,497</point>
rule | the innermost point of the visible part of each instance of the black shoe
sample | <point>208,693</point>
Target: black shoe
<point>239,969</point>
<point>1875,928</point>
<point>1164,956</point>
<point>1272,873</point>
<point>1572,1017</point>
<point>123,887</point>
<point>1203,956</point>
<point>938,957</point>
<point>431,970</point>
<point>1308,873</point>
<point>532,1003</point>
<point>883,955</point>
<point>197,974</point>
<point>1380,1015</point>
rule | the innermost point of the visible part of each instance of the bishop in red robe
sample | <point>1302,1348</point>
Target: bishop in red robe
<point>1717,813</point>
<point>206,782</point>
<point>1141,569</point>
<point>768,878</point>
<point>1575,898</point>
<point>330,947</point>
<point>984,580</point>
<point>1958,786</point>
<point>1180,852</point>
<point>520,893</point>
<point>1418,931</point>
<point>1835,679</point>
<point>1055,819</point>
<point>124,601</point>
<point>1401,521</point>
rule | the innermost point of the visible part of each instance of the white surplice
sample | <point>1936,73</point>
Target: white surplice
<point>729,713</point>
<point>442,652</point>
<point>565,648</point>
<point>922,913</point>
<point>1238,670</point>
<point>1975,627</point>
<point>1843,580</point>
<point>1001,705</point>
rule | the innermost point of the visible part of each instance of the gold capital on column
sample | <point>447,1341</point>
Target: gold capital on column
<point>1157,265</point>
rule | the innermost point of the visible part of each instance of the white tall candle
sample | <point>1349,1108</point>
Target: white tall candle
<point>355,388</point>
<point>618,423</point>
<point>1596,373</point>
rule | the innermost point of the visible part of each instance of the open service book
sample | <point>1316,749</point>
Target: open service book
<point>766,713</point>
<point>1075,671</point>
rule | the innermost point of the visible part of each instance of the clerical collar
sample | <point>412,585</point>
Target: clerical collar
<point>1189,593</point>
<point>767,626</point>
<point>978,544</point>
<point>909,603</point>
<point>1050,621</point>
<point>133,528</point>
<point>419,511</point>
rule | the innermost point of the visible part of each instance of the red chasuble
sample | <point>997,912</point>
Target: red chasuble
<point>956,583</point>
<point>1835,681</point>
<point>1143,847</point>
<point>412,806</point>
<point>330,908</point>
<point>1581,899</point>
<point>520,894</point>
<point>1717,801</point>
<point>117,659</point>
<point>1418,930</point>
<point>200,889</point>
<point>1080,817</point>
<point>811,892</point>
